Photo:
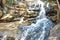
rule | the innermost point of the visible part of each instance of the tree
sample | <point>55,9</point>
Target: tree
<point>2,3</point>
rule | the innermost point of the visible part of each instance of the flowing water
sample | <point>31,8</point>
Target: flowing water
<point>40,29</point>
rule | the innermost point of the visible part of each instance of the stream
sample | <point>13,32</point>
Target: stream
<point>39,30</point>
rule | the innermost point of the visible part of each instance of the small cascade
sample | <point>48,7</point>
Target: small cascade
<point>40,29</point>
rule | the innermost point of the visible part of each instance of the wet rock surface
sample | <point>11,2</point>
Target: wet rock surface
<point>55,33</point>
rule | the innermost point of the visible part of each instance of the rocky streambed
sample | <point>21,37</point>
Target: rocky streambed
<point>23,16</point>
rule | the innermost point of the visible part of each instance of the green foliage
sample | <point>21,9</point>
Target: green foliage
<point>9,2</point>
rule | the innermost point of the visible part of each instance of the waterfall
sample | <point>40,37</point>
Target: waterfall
<point>38,30</point>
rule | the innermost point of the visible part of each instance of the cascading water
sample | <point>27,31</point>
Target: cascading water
<point>38,30</point>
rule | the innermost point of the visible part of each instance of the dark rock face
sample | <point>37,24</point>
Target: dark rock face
<point>55,33</point>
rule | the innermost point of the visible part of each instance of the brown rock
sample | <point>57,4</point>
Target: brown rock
<point>53,15</point>
<point>7,17</point>
<point>24,23</point>
<point>11,11</point>
<point>30,12</point>
<point>22,9</point>
<point>22,12</point>
<point>22,5</point>
<point>54,18</point>
<point>52,38</point>
<point>55,32</point>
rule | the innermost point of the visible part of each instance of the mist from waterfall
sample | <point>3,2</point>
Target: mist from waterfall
<point>40,29</point>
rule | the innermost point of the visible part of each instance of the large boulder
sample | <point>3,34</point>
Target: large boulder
<point>55,33</point>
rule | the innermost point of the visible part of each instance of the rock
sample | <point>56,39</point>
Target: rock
<point>25,23</point>
<point>52,38</point>
<point>7,17</point>
<point>55,32</point>
<point>30,12</point>
<point>27,16</point>
<point>22,12</point>
<point>22,5</point>
<point>22,9</point>
<point>52,12</point>
<point>52,15</point>
<point>53,18</point>
<point>18,8</point>
<point>11,11</point>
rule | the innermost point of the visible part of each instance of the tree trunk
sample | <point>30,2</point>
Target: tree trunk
<point>2,3</point>
<point>58,12</point>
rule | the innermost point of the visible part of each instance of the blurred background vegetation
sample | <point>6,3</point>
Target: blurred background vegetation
<point>9,2</point>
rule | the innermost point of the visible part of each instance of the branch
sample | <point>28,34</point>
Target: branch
<point>58,4</point>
